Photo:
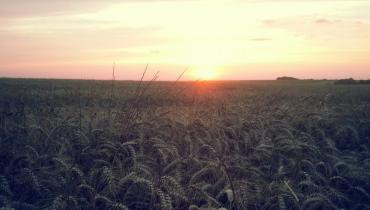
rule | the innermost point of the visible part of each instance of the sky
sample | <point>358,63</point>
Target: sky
<point>212,39</point>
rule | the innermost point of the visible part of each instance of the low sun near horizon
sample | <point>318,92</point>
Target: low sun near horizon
<point>218,39</point>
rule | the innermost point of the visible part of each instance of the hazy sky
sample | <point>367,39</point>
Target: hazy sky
<point>223,39</point>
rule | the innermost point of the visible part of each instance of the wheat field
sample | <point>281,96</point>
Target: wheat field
<point>116,145</point>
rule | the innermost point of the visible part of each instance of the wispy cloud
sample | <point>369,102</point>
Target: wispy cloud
<point>322,21</point>
<point>28,8</point>
<point>269,22</point>
<point>260,39</point>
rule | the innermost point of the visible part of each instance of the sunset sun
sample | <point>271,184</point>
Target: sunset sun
<point>206,60</point>
<point>206,72</point>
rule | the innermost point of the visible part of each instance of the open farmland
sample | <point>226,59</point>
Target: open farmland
<point>69,144</point>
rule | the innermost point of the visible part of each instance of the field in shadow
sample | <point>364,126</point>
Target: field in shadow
<point>69,144</point>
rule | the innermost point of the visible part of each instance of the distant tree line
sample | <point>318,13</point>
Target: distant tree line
<point>348,81</point>
<point>286,78</point>
<point>351,81</point>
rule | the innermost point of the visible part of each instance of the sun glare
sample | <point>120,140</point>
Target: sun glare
<point>206,61</point>
<point>206,72</point>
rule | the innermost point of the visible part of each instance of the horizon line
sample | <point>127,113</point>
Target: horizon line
<point>199,80</point>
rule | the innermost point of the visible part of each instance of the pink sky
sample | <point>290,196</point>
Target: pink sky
<point>215,39</point>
